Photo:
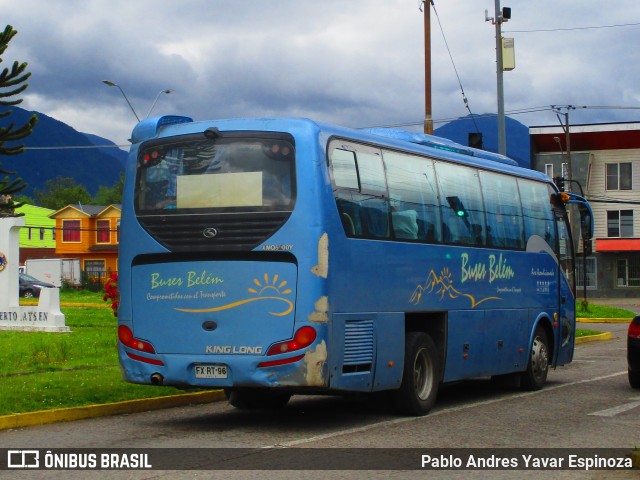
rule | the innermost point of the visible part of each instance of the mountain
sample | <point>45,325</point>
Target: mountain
<point>56,149</point>
<point>518,143</point>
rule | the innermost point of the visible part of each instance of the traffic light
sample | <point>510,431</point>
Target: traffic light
<point>456,205</point>
<point>475,140</point>
<point>559,181</point>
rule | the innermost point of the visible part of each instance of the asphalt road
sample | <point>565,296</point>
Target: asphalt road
<point>587,404</point>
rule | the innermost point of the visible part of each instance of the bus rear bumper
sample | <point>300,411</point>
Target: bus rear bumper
<point>225,371</point>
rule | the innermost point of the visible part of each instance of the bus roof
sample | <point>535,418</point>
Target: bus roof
<point>393,138</point>
<point>439,143</point>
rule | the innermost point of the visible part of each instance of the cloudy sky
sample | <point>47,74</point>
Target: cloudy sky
<point>357,63</point>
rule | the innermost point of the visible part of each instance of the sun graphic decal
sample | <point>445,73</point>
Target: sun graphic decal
<point>269,289</point>
<point>270,286</point>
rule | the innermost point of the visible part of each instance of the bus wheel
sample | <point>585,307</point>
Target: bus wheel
<point>535,376</point>
<point>420,376</point>
<point>253,399</point>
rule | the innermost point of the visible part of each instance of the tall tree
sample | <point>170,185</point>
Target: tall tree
<point>61,191</point>
<point>110,195</point>
<point>12,83</point>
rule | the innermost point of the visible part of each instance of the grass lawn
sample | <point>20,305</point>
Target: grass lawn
<point>70,295</point>
<point>600,311</point>
<point>582,332</point>
<point>41,370</point>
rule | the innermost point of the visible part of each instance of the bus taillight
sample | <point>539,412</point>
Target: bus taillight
<point>302,338</point>
<point>125,335</point>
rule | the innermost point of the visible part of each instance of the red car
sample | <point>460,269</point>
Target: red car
<point>633,352</point>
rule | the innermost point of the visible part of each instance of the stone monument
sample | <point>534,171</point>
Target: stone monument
<point>46,316</point>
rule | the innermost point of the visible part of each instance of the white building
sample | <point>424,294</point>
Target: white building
<point>605,160</point>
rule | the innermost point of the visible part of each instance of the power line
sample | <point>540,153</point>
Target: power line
<point>447,120</point>
<point>574,28</point>
<point>464,97</point>
<point>520,111</point>
<point>626,202</point>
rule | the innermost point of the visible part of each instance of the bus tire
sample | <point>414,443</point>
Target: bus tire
<point>420,377</point>
<point>535,376</point>
<point>254,399</point>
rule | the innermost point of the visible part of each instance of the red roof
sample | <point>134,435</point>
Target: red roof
<point>587,137</point>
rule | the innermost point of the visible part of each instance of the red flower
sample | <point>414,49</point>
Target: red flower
<point>112,293</point>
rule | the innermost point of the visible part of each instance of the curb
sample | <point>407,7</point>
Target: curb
<point>594,338</point>
<point>41,417</point>
<point>604,320</point>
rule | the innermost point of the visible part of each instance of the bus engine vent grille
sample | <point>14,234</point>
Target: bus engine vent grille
<point>358,346</point>
<point>213,232</point>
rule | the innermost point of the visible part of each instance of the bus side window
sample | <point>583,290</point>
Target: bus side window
<point>462,204</point>
<point>405,224</point>
<point>414,199</point>
<point>505,225</point>
<point>345,170</point>
<point>375,217</point>
<point>373,187</point>
<point>345,179</point>
<point>349,210</point>
<point>537,212</point>
<point>361,193</point>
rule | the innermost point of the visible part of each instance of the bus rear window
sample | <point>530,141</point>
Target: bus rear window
<point>236,173</point>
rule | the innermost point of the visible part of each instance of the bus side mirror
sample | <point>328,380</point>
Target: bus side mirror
<point>585,223</point>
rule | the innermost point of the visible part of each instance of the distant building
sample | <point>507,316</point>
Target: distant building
<point>38,236</point>
<point>90,233</point>
<point>605,159</point>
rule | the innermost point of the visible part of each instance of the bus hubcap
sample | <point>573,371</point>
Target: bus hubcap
<point>539,357</point>
<point>423,374</point>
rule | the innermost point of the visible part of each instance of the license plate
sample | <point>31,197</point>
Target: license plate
<point>211,371</point>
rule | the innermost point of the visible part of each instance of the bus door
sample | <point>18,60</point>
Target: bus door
<point>567,309</point>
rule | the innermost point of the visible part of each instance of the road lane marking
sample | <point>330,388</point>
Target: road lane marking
<point>612,412</point>
<point>397,421</point>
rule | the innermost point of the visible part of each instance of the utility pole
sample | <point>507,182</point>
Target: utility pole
<point>500,16</point>
<point>567,135</point>
<point>502,132</point>
<point>428,120</point>
<point>573,221</point>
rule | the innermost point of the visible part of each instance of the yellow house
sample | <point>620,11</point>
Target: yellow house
<point>90,233</point>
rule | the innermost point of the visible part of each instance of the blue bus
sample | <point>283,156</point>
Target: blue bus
<point>272,257</point>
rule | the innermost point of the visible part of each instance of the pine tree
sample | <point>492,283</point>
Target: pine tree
<point>12,83</point>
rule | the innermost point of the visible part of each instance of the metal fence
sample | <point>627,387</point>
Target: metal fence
<point>94,280</point>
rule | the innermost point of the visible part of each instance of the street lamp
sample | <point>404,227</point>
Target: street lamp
<point>167,91</point>
<point>113,84</point>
